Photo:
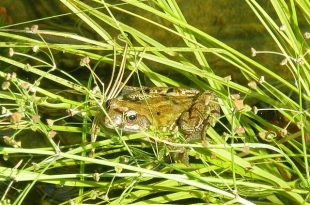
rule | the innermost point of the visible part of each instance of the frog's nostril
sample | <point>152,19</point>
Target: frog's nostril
<point>107,104</point>
<point>170,90</point>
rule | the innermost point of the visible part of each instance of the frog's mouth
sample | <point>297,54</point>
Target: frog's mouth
<point>138,124</point>
<point>132,128</point>
<point>128,124</point>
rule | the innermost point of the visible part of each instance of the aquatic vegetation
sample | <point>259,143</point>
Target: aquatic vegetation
<point>51,107</point>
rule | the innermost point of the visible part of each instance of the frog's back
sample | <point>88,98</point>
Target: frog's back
<point>165,110</point>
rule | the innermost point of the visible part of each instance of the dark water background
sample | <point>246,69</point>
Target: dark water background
<point>232,22</point>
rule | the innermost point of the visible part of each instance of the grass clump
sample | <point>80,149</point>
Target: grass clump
<point>257,153</point>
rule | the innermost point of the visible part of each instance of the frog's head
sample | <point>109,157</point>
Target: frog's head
<point>125,117</point>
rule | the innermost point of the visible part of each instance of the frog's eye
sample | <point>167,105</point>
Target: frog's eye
<point>131,115</point>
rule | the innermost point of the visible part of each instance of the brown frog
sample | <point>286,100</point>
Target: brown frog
<point>166,109</point>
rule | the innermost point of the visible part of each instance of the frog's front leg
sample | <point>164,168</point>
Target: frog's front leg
<point>204,112</point>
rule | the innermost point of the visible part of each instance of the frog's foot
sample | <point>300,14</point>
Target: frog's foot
<point>190,121</point>
<point>180,155</point>
<point>203,113</point>
<point>193,122</point>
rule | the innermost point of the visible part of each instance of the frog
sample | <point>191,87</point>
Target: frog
<point>190,111</point>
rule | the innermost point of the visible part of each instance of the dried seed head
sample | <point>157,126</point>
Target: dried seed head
<point>213,155</point>
<point>240,130</point>
<point>118,169</point>
<point>5,156</point>
<point>50,122</point>
<point>228,78</point>
<point>253,85</point>
<point>73,112</point>
<point>300,124</point>
<point>239,105</point>
<point>255,110</point>
<point>267,136</point>
<point>282,28</point>
<point>95,90</point>
<point>261,79</point>
<point>16,117</point>
<point>25,85</point>
<point>8,76</point>
<point>246,108</point>
<point>35,166</point>
<point>262,134</point>
<point>93,195</point>
<point>85,61</point>
<point>246,149</point>
<point>5,85</point>
<point>33,89</point>
<point>284,61</point>
<point>235,96</point>
<point>96,176</point>
<point>6,139</point>
<point>11,52</point>
<point>253,52</point>
<point>283,132</point>
<point>35,48</point>
<point>11,142</point>
<point>51,134</point>
<point>34,28</point>
<point>27,67</point>
<point>13,76</point>
<point>3,110</point>
<point>36,118</point>
<point>17,144</point>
